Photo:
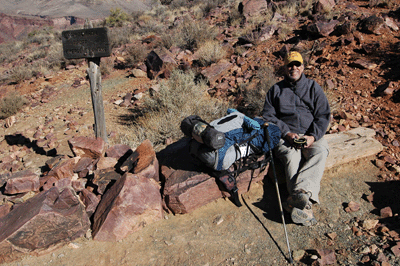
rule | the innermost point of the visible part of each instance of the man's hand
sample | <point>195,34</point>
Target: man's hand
<point>310,140</point>
<point>290,137</point>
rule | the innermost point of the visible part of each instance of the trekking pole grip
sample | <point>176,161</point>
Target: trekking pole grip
<point>266,134</point>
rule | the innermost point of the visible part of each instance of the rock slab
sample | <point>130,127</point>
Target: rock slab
<point>351,145</point>
<point>47,220</point>
<point>131,203</point>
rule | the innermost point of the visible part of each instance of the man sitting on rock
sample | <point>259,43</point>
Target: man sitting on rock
<point>299,107</point>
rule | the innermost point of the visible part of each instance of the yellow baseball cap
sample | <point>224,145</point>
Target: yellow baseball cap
<point>292,57</point>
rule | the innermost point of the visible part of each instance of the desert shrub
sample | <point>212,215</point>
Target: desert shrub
<point>117,18</point>
<point>41,37</point>
<point>283,31</point>
<point>106,66</point>
<point>149,25</point>
<point>210,52</point>
<point>119,36</point>
<point>9,51</point>
<point>253,98</point>
<point>20,73</point>
<point>178,97</point>
<point>11,104</point>
<point>37,54</point>
<point>189,34</point>
<point>135,54</point>
<point>55,56</point>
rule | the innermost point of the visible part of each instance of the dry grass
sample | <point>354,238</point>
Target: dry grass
<point>210,52</point>
<point>119,36</point>
<point>178,97</point>
<point>9,51</point>
<point>189,34</point>
<point>11,104</point>
<point>135,54</point>
<point>106,66</point>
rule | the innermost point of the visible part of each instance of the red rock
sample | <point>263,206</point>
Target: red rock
<point>370,197</point>
<point>322,28</point>
<point>131,203</point>
<point>380,164</point>
<point>23,181</point>
<point>4,210</point>
<point>79,184</point>
<point>186,187</point>
<point>63,183</point>
<point>372,24</point>
<point>85,163</point>
<point>323,6</point>
<point>363,64</point>
<point>117,151</point>
<point>216,71</point>
<point>396,249</point>
<point>252,8</point>
<point>87,147</point>
<point>101,178</point>
<point>51,163</point>
<point>90,200</point>
<point>327,256</point>
<point>48,219</point>
<point>49,182</point>
<point>147,163</point>
<point>381,257</point>
<point>106,162</point>
<point>186,191</point>
<point>386,212</point>
<point>63,169</point>
<point>4,177</point>
<point>352,207</point>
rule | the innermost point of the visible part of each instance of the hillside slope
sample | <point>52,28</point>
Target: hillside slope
<point>60,8</point>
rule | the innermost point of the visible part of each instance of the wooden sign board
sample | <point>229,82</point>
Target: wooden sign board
<point>86,43</point>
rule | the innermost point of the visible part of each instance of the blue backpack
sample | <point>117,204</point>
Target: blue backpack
<point>243,144</point>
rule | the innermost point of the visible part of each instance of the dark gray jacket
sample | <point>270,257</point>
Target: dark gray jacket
<point>300,107</point>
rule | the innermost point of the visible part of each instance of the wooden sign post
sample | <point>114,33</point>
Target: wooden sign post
<point>90,43</point>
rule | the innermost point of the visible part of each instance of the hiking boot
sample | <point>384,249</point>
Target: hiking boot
<point>299,199</point>
<point>304,216</point>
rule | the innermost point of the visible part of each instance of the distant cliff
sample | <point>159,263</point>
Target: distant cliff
<point>16,27</point>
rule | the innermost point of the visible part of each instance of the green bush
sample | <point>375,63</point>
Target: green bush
<point>117,18</point>
<point>178,97</point>
<point>11,104</point>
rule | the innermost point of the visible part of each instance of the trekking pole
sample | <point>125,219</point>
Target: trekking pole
<point>266,133</point>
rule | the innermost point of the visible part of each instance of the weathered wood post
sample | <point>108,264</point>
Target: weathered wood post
<point>91,43</point>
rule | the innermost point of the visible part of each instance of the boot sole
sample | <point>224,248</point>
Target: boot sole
<point>300,217</point>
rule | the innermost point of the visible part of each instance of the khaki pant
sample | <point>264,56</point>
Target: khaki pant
<point>303,167</point>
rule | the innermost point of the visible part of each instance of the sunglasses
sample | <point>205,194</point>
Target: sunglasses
<point>294,63</point>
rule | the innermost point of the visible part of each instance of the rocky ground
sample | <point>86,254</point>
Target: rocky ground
<point>355,226</point>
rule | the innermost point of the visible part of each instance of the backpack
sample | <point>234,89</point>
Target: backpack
<point>243,144</point>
